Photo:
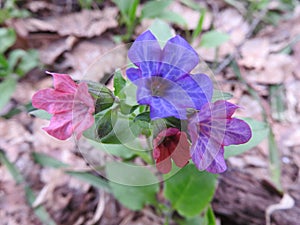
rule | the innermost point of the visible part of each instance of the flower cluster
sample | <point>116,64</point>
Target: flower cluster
<point>165,84</point>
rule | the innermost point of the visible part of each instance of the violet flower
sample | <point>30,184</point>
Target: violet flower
<point>71,105</point>
<point>171,143</point>
<point>163,77</point>
<point>213,128</point>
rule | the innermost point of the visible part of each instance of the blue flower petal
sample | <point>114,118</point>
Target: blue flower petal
<point>160,108</point>
<point>198,87</point>
<point>133,74</point>
<point>144,51</point>
<point>177,56</point>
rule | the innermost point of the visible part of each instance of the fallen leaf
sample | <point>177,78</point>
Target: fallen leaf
<point>92,59</point>
<point>254,53</point>
<point>50,53</point>
<point>87,23</point>
<point>191,16</point>
<point>275,69</point>
<point>293,101</point>
<point>232,22</point>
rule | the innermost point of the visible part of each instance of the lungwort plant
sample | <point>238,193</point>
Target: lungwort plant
<point>162,123</point>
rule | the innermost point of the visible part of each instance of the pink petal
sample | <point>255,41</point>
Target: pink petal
<point>181,155</point>
<point>63,83</point>
<point>164,166</point>
<point>83,110</point>
<point>82,95</point>
<point>53,101</point>
<point>82,122</point>
<point>60,126</point>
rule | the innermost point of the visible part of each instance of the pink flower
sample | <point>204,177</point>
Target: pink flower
<point>71,105</point>
<point>170,143</point>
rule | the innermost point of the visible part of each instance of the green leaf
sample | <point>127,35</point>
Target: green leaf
<point>152,9</point>
<point>260,131</point>
<point>130,91</point>
<point>91,179</point>
<point>210,216</point>
<point>161,30</point>
<point>7,88</point>
<point>173,18</point>
<point>42,114</point>
<point>213,39</point>
<point>277,99</point>
<point>104,97</point>
<point>134,186</point>
<point>117,135</point>
<point>220,95</point>
<point>124,5</point>
<point>7,38</point>
<point>4,66</point>
<point>206,218</point>
<point>190,191</point>
<point>191,4</point>
<point>22,61</point>
<point>127,109</point>
<point>119,84</point>
<point>198,29</point>
<point>145,116</point>
<point>110,128</point>
<point>4,15</point>
<point>48,161</point>
<point>119,150</point>
<point>140,127</point>
<point>105,123</point>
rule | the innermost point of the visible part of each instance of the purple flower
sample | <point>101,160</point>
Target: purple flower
<point>163,76</point>
<point>213,128</point>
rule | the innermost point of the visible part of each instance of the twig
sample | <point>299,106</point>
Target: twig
<point>99,210</point>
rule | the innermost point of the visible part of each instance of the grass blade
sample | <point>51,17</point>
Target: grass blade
<point>93,180</point>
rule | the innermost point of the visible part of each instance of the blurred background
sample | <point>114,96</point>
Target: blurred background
<point>253,49</point>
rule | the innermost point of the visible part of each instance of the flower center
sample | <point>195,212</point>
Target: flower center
<point>159,86</point>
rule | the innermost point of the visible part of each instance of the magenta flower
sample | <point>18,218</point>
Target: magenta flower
<point>171,143</point>
<point>163,76</point>
<point>213,128</point>
<point>71,105</point>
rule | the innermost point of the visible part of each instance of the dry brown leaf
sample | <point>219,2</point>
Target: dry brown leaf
<point>293,101</point>
<point>296,51</point>
<point>36,6</point>
<point>82,24</point>
<point>50,53</point>
<point>276,69</point>
<point>232,22</point>
<point>254,53</point>
<point>250,108</point>
<point>92,59</point>
<point>191,16</point>
<point>207,54</point>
